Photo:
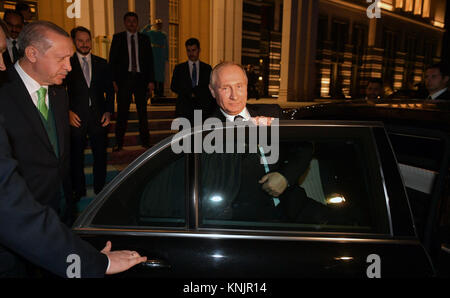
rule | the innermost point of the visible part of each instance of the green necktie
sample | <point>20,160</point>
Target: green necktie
<point>42,106</point>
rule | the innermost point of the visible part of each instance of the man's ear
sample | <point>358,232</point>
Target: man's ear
<point>211,89</point>
<point>31,53</point>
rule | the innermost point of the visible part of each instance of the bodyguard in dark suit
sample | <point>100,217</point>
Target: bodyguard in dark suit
<point>131,59</point>
<point>437,78</point>
<point>190,81</point>
<point>15,23</point>
<point>34,162</point>
<point>91,103</point>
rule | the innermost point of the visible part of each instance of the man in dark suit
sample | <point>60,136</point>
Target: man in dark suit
<point>34,162</point>
<point>190,81</point>
<point>91,103</point>
<point>131,59</point>
<point>15,23</point>
<point>278,180</point>
<point>437,77</point>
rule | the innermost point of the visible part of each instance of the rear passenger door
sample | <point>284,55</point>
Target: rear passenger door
<point>334,219</point>
<point>423,156</point>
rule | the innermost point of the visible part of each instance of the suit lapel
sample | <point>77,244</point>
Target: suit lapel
<point>7,59</point>
<point>26,106</point>
<point>187,73</point>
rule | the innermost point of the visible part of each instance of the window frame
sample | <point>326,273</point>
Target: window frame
<point>192,228</point>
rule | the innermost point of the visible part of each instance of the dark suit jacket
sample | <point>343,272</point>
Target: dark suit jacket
<point>101,91</point>
<point>7,59</point>
<point>34,231</point>
<point>30,166</point>
<point>190,98</point>
<point>42,170</point>
<point>119,58</point>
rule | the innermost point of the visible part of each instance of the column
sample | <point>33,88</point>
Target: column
<point>56,12</point>
<point>226,31</point>
<point>195,22</point>
<point>132,5</point>
<point>298,52</point>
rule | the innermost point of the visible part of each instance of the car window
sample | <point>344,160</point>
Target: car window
<point>152,195</point>
<point>420,157</point>
<point>334,184</point>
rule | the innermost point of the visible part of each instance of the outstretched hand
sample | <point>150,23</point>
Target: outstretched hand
<point>121,260</point>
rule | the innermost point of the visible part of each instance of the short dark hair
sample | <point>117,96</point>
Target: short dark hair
<point>376,81</point>
<point>74,31</point>
<point>13,12</point>
<point>191,42</point>
<point>443,68</point>
<point>130,14</point>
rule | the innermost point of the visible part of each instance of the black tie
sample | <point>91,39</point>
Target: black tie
<point>238,118</point>
<point>194,75</point>
<point>133,55</point>
<point>15,52</point>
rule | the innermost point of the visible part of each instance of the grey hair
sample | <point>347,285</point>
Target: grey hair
<point>35,34</point>
<point>218,67</point>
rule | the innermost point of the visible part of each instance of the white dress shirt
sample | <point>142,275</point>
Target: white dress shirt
<point>129,50</point>
<point>31,85</point>
<point>244,113</point>
<point>437,94</point>
<point>197,66</point>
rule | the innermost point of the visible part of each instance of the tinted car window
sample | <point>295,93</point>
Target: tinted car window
<point>152,195</point>
<point>334,185</point>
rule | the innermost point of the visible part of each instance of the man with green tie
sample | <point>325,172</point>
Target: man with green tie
<point>35,182</point>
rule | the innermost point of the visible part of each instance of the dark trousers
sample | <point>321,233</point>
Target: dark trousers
<point>159,89</point>
<point>133,84</point>
<point>97,134</point>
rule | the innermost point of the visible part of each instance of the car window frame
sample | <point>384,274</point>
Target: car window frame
<point>269,232</point>
<point>192,228</point>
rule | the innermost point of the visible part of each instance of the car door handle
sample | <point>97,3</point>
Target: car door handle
<point>155,264</point>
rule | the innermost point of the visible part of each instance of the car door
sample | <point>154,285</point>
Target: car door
<point>207,213</point>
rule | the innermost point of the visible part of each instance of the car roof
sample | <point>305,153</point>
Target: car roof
<point>435,114</point>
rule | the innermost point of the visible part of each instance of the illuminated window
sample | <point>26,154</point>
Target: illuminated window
<point>409,5</point>
<point>418,7</point>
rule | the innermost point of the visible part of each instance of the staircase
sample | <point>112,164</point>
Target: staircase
<point>160,116</point>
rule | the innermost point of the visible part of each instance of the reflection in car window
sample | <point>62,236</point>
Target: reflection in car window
<point>333,185</point>
<point>153,195</point>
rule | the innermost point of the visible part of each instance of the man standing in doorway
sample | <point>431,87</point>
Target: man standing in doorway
<point>131,59</point>
<point>14,21</point>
